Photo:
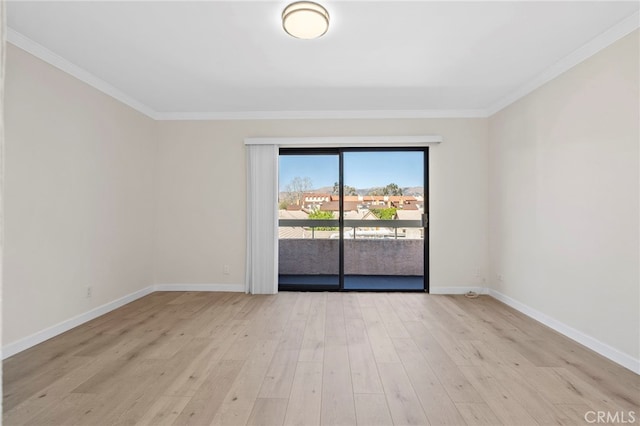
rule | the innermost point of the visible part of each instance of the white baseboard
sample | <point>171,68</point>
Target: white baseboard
<point>592,343</point>
<point>46,334</point>
<point>200,287</point>
<point>457,290</point>
<point>603,349</point>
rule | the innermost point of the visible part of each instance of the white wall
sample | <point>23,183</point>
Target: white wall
<point>79,197</point>
<point>564,194</point>
<point>201,217</point>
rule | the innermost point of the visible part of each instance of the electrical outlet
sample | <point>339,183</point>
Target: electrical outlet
<point>225,269</point>
<point>88,292</point>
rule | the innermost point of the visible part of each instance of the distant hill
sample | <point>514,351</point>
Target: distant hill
<point>324,190</point>
<point>409,190</point>
<point>413,190</point>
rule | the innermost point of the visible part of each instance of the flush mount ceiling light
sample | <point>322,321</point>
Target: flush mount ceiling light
<point>305,19</point>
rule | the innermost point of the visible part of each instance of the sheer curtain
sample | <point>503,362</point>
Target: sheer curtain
<point>262,219</point>
<point>3,48</point>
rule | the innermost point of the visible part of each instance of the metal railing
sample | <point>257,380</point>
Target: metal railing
<point>354,223</point>
<point>351,223</point>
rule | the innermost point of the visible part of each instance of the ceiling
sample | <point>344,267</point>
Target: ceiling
<point>182,59</point>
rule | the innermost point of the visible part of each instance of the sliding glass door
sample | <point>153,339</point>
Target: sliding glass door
<point>353,219</point>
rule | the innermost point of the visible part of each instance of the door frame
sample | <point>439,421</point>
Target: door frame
<point>339,151</point>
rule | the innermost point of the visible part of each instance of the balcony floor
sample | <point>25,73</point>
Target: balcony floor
<point>354,282</point>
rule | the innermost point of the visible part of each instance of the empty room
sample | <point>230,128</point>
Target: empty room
<point>339,212</point>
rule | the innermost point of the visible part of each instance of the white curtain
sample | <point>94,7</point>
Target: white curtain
<point>262,219</point>
<point>3,54</point>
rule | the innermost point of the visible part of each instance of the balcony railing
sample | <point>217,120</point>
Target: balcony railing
<point>371,247</point>
<point>368,228</point>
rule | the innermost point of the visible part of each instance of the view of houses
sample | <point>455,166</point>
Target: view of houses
<point>366,208</point>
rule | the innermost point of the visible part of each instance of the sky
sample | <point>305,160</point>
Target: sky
<point>361,169</point>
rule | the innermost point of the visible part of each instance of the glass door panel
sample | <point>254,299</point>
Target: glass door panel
<point>308,213</point>
<point>384,236</point>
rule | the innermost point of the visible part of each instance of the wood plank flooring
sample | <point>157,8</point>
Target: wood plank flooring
<point>178,358</point>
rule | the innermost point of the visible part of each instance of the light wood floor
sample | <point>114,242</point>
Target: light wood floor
<point>313,358</point>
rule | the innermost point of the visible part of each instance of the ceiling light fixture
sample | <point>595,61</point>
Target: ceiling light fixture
<point>305,19</point>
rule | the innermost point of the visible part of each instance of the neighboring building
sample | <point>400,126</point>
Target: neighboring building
<point>379,201</point>
<point>334,206</point>
<point>410,214</point>
<point>313,201</point>
<point>292,231</point>
<point>356,207</point>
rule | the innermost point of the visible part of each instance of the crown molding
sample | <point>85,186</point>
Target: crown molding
<point>81,74</point>
<point>322,115</point>
<point>41,52</point>
<point>592,47</point>
<point>595,45</point>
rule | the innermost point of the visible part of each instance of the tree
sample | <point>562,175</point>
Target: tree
<point>323,215</point>
<point>297,187</point>
<point>348,190</point>
<point>282,205</point>
<point>392,189</point>
<point>385,214</point>
<point>375,191</point>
